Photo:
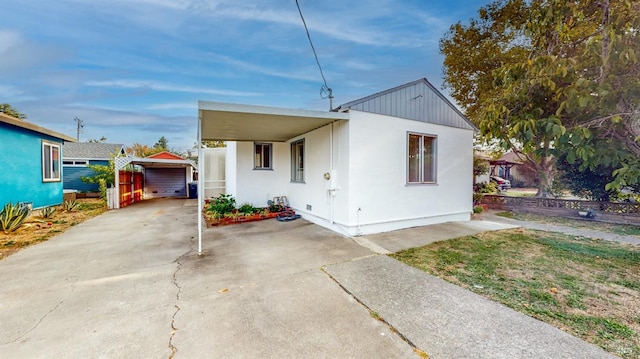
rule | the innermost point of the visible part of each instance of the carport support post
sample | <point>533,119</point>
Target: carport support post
<point>116,202</point>
<point>200,184</point>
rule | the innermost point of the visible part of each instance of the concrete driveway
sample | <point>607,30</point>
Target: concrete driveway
<point>129,284</point>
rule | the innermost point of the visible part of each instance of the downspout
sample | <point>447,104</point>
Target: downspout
<point>332,190</point>
<point>200,184</point>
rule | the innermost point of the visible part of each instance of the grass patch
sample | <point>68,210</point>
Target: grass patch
<point>35,229</point>
<point>585,287</point>
<point>622,229</point>
<point>517,193</point>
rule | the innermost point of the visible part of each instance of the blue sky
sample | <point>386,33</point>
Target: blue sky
<point>134,70</point>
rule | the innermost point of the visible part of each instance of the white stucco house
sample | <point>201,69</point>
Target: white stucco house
<point>396,159</point>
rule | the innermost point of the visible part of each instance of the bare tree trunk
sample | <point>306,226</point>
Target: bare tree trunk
<point>545,178</point>
<point>606,42</point>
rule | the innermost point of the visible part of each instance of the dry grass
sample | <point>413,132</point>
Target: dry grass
<point>622,229</point>
<point>588,288</point>
<point>37,229</point>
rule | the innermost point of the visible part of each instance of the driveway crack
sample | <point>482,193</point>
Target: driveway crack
<point>375,315</point>
<point>174,279</point>
<point>53,309</point>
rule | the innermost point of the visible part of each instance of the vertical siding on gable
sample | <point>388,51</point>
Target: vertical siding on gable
<point>416,102</point>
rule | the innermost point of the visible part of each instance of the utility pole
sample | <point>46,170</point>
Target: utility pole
<point>79,127</point>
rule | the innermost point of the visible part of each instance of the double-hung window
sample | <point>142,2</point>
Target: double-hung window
<point>421,158</point>
<point>262,156</point>
<point>50,162</point>
<point>297,161</point>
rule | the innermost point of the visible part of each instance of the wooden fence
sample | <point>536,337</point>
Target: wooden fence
<point>131,187</point>
<point>623,212</point>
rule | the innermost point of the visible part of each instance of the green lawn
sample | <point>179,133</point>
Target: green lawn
<point>588,288</point>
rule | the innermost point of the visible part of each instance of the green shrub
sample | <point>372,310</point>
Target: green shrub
<point>12,216</point>
<point>47,212</point>
<point>102,184</point>
<point>224,203</point>
<point>477,209</point>
<point>486,187</point>
<point>248,208</point>
<point>273,207</point>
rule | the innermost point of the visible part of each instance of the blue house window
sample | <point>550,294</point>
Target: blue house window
<point>77,163</point>
<point>262,156</point>
<point>50,162</point>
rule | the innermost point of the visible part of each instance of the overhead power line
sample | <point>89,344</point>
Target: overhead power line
<point>325,90</point>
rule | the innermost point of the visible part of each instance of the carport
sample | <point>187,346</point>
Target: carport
<point>219,121</point>
<point>167,174</point>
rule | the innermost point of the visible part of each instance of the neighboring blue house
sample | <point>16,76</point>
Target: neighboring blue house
<point>31,159</point>
<point>78,155</point>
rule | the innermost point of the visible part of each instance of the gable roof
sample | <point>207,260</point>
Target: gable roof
<point>418,100</point>
<point>10,120</point>
<point>166,155</point>
<point>92,150</point>
<point>509,158</point>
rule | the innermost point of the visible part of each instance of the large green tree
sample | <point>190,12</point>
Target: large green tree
<point>545,78</point>
<point>11,111</point>
<point>162,144</point>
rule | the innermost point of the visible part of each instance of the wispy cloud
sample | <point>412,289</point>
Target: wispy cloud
<point>9,91</point>
<point>191,105</point>
<point>157,86</point>
<point>134,69</point>
<point>18,53</point>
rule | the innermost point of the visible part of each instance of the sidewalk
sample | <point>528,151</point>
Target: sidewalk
<point>447,321</point>
<point>607,236</point>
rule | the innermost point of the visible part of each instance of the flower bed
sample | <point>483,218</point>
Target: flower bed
<point>222,210</point>
<point>239,218</point>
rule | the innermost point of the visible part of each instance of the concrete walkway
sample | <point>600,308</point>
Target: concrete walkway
<point>128,284</point>
<point>491,216</point>
<point>447,321</point>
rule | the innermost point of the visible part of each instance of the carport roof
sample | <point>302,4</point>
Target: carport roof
<point>121,162</point>
<point>235,122</point>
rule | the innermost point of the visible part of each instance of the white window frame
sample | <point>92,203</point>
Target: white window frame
<point>51,164</point>
<point>420,157</point>
<point>297,161</point>
<point>258,162</point>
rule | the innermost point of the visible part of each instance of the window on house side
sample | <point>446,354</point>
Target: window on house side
<point>50,162</point>
<point>262,156</point>
<point>297,161</point>
<point>75,163</point>
<point>421,161</point>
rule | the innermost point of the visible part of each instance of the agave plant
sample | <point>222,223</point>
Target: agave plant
<point>47,212</point>
<point>12,216</point>
<point>70,206</point>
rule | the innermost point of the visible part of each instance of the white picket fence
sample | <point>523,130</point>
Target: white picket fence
<point>112,198</point>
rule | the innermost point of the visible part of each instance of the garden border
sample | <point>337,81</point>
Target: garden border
<point>612,212</point>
